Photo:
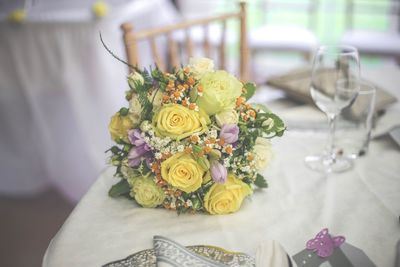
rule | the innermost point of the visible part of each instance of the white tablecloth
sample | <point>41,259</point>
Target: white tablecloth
<point>363,205</point>
<point>58,89</point>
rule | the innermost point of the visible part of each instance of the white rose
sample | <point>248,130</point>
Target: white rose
<point>228,116</point>
<point>135,78</point>
<point>263,152</point>
<point>199,66</point>
<point>135,110</point>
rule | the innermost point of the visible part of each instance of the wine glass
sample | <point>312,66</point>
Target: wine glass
<point>334,85</point>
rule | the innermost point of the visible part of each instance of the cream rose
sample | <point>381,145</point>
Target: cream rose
<point>228,116</point>
<point>263,152</point>
<point>135,78</point>
<point>220,90</point>
<point>199,66</point>
<point>178,122</point>
<point>227,197</point>
<point>182,172</point>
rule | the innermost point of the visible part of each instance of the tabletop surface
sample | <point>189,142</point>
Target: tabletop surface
<point>362,204</point>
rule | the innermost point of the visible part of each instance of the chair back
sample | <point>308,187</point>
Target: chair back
<point>309,8</point>
<point>390,9</point>
<point>131,39</point>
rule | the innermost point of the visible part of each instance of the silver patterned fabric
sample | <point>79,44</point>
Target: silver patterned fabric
<point>169,253</point>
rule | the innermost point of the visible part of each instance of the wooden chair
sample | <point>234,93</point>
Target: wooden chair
<point>131,39</point>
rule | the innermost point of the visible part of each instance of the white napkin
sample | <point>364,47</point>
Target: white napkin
<point>271,254</point>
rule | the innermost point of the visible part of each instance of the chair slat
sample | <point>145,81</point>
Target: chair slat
<point>206,42</point>
<point>244,49</point>
<point>156,54</point>
<point>130,44</point>
<point>189,44</point>
<point>222,46</point>
<point>172,52</point>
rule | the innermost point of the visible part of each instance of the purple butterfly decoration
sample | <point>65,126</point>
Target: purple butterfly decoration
<point>324,244</point>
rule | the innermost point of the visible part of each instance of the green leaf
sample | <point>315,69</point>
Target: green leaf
<point>250,90</point>
<point>119,189</point>
<point>260,181</point>
<point>261,107</point>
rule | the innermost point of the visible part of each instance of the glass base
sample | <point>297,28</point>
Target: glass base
<point>327,164</point>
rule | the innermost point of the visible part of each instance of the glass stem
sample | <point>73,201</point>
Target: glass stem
<point>331,142</point>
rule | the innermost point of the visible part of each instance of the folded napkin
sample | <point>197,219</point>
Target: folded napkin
<point>296,84</point>
<point>271,254</point>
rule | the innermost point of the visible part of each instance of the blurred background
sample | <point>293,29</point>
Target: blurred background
<point>59,86</point>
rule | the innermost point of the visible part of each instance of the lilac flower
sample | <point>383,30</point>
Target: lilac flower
<point>136,139</point>
<point>218,172</point>
<point>230,133</point>
<point>140,149</point>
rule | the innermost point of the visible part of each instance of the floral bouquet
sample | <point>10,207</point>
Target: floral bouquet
<point>189,141</point>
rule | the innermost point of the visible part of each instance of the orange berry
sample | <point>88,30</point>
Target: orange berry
<point>184,103</point>
<point>250,157</point>
<point>207,149</point>
<point>186,86</point>
<point>194,138</point>
<point>212,140</point>
<point>240,100</point>
<point>221,142</point>
<point>171,83</point>
<point>228,149</point>
<point>190,80</point>
<point>207,142</point>
<point>188,150</point>
<point>186,70</point>
<point>200,88</point>
<point>252,113</point>
<point>177,93</point>
<point>165,98</point>
<point>180,87</point>
<point>192,106</point>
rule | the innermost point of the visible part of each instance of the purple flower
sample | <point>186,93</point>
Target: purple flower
<point>218,172</point>
<point>135,156</point>
<point>141,148</point>
<point>230,133</point>
<point>136,139</point>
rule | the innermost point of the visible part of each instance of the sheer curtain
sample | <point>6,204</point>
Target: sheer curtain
<point>58,89</point>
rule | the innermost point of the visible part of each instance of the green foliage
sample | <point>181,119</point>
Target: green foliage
<point>119,189</point>
<point>250,90</point>
<point>260,181</point>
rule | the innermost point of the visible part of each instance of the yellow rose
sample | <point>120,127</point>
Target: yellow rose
<point>199,66</point>
<point>226,198</point>
<point>263,152</point>
<point>220,90</point>
<point>178,122</point>
<point>147,193</point>
<point>183,172</point>
<point>119,127</point>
